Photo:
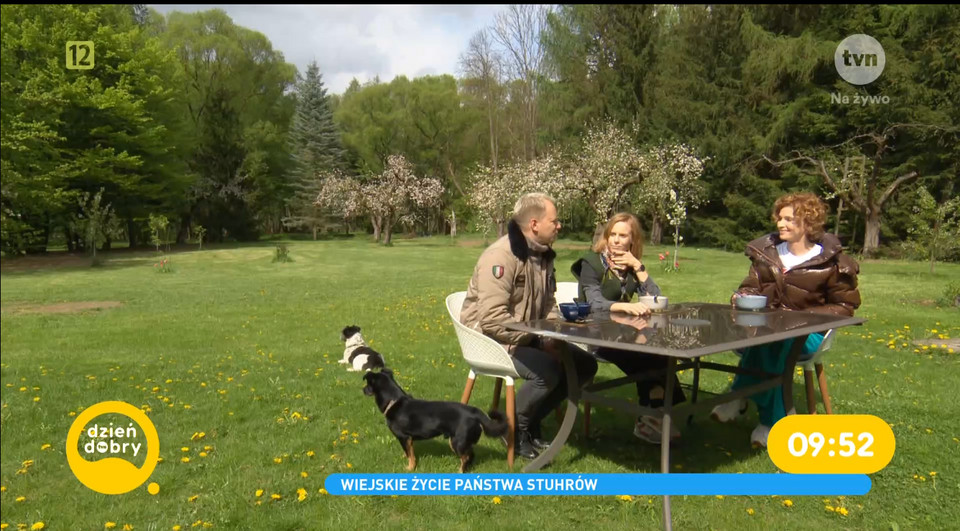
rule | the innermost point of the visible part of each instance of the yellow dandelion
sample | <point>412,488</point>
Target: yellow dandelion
<point>187,406</point>
<point>277,460</point>
<point>4,525</point>
<point>311,453</point>
<point>496,500</point>
<point>20,499</point>
<point>344,432</point>
<point>185,460</point>
<point>349,465</point>
<point>625,497</point>
<point>301,494</point>
<point>45,447</point>
<point>719,496</point>
<point>843,511</point>
<point>259,493</point>
<point>203,454</point>
<point>185,449</point>
<point>72,414</point>
<point>37,526</point>
<point>193,498</point>
<point>829,508</point>
<point>322,491</point>
<point>127,527</point>
<point>207,525</point>
<point>208,448</point>
<point>303,474</point>
<point>37,399</point>
<point>750,511</point>
<point>109,525</point>
<point>275,496</point>
<point>176,528</point>
<point>197,523</point>
<point>787,503</point>
<point>3,489</point>
<point>933,474</point>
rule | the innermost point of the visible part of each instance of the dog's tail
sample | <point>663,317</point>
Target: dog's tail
<point>495,426</point>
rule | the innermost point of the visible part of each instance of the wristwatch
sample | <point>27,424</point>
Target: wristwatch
<point>642,267</point>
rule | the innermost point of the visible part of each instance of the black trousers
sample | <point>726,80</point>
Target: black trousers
<point>633,362</point>
<point>546,386</point>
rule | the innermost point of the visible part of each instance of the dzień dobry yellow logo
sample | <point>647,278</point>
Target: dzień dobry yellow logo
<point>112,475</point>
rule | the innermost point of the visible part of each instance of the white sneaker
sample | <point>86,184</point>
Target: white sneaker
<point>729,411</point>
<point>759,436</point>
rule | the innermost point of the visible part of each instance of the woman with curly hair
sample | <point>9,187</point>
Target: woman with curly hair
<point>799,267</point>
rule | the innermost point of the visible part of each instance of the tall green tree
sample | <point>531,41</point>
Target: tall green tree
<point>71,131</point>
<point>238,111</point>
<point>316,149</point>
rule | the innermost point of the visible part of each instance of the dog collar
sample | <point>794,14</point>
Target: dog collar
<point>390,405</point>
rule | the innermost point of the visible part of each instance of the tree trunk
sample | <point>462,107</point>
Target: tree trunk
<point>376,228</point>
<point>387,233</point>
<point>107,243</point>
<point>132,233</point>
<point>597,233</point>
<point>656,232</point>
<point>501,228</point>
<point>453,224</point>
<point>182,233</point>
<point>871,237</point>
<point>314,232</point>
<point>836,228</point>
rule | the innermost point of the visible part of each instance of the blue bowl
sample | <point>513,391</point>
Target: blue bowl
<point>570,311</point>
<point>584,309</point>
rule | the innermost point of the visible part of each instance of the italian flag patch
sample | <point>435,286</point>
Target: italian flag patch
<point>498,271</point>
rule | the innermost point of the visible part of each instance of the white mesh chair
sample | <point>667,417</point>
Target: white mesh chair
<point>487,357</point>
<point>567,292</point>
<point>812,364</point>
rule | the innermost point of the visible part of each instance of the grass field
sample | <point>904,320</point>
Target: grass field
<point>244,350</point>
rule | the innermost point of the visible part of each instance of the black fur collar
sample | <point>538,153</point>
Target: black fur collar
<point>518,243</point>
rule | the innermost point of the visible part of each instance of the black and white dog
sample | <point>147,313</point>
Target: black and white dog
<point>357,354</point>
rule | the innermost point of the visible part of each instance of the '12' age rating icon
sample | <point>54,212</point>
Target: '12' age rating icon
<point>79,55</point>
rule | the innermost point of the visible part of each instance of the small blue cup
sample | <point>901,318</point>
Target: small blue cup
<point>570,311</point>
<point>584,309</point>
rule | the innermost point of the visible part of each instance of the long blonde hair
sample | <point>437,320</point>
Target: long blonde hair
<point>636,234</point>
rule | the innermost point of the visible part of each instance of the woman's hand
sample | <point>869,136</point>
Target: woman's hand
<point>633,321</point>
<point>630,308</point>
<point>625,260</point>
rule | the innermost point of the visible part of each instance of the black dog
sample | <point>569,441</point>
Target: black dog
<point>413,420</point>
<point>357,354</point>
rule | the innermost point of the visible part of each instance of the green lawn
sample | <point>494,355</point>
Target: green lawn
<point>244,350</point>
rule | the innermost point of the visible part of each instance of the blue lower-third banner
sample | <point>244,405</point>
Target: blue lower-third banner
<point>596,484</point>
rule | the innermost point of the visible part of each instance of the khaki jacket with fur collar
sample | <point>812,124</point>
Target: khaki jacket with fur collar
<point>514,281</point>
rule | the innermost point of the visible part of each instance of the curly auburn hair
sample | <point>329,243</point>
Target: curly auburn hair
<point>636,234</point>
<point>809,209</point>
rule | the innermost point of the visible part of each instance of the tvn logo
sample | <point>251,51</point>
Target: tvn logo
<point>859,59</point>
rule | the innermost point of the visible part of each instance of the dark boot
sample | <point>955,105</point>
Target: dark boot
<point>537,439</point>
<point>524,445</point>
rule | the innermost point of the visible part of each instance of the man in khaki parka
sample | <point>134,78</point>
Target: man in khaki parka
<point>515,281</point>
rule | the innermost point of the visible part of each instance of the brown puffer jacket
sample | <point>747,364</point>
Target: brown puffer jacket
<point>826,283</point>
